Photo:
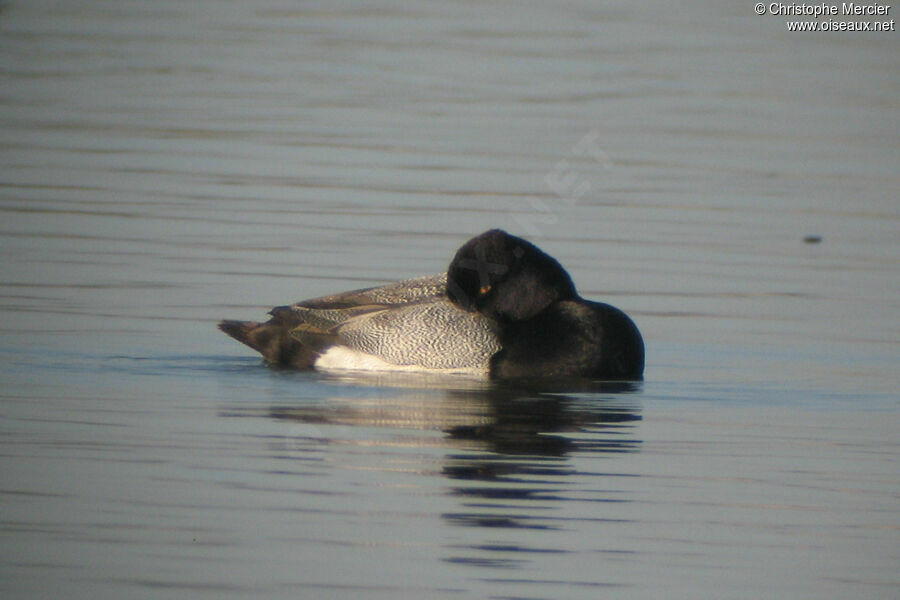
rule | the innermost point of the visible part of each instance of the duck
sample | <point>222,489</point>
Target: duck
<point>504,310</point>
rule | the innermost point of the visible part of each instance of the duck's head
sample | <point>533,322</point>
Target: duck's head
<point>505,277</point>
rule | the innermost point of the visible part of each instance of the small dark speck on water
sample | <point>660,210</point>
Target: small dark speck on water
<point>813,239</point>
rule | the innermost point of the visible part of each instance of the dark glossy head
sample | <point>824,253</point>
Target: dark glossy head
<point>506,278</point>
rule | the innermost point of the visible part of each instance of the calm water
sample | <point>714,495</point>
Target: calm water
<point>167,164</point>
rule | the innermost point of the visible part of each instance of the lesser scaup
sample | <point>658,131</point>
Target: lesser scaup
<point>505,308</point>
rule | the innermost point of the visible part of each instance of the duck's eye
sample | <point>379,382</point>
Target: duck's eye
<point>484,290</point>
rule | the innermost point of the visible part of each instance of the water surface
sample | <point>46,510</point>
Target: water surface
<point>163,166</point>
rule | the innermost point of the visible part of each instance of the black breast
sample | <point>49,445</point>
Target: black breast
<point>572,338</point>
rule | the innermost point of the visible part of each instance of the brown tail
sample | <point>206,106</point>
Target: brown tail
<point>240,330</point>
<point>271,339</point>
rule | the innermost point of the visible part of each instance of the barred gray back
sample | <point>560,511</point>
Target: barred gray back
<point>431,334</point>
<point>410,290</point>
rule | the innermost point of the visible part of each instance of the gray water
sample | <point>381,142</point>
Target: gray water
<point>166,164</point>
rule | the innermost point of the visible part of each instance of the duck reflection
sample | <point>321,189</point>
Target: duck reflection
<point>502,420</point>
<point>518,460</point>
<point>522,469</point>
<point>526,421</point>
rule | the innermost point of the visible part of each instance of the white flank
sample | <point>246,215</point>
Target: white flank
<point>341,358</point>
